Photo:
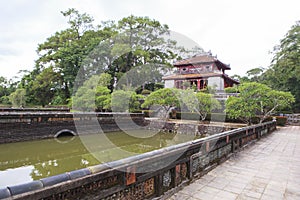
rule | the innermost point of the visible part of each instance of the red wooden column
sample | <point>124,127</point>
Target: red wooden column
<point>198,84</point>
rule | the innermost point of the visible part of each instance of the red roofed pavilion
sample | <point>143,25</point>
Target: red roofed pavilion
<point>201,71</point>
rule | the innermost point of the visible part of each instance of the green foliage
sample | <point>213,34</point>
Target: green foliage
<point>57,100</point>
<point>186,100</point>
<point>167,97</point>
<point>45,85</point>
<point>5,100</point>
<point>281,121</point>
<point>103,98</point>
<point>149,87</point>
<point>233,89</point>
<point>112,47</point>
<point>201,103</point>
<point>209,89</point>
<point>125,101</point>
<point>145,92</point>
<point>94,94</point>
<point>253,75</point>
<point>67,49</point>
<point>256,99</point>
<point>3,86</point>
<point>6,88</point>
<point>17,98</point>
<point>285,69</point>
<point>206,104</point>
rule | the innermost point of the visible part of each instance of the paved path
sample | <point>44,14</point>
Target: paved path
<point>269,169</point>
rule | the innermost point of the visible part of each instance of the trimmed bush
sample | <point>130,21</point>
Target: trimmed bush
<point>281,121</point>
<point>145,92</point>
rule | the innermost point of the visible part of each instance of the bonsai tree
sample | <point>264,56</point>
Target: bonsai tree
<point>200,103</point>
<point>166,98</point>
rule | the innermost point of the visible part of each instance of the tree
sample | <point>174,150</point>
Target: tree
<point>103,98</point>
<point>18,98</point>
<point>167,98</point>
<point>67,49</point>
<point>201,103</point>
<point>256,99</point>
<point>4,91</point>
<point>45,86</point>
<point>3,86</point>
<point>284,71</point>
<point>206,104</point>
<point>234,89</point>
<point>81,51</point>
<point>94,94</point>
<point>140,41</point>
<point>125,101</point>
<point>254,74</point>
<point>26,83</point>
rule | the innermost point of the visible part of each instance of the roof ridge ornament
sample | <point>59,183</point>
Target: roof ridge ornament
<point>204,53</point>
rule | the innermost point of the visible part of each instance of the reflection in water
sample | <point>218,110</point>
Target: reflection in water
<point>25,161</point>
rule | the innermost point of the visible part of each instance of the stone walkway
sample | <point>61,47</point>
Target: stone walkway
<point>269,169</point>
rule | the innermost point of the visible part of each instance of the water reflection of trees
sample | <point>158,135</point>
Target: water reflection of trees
<point>50,157</point>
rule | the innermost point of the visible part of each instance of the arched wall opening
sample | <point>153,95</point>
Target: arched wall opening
<point>64,133</point>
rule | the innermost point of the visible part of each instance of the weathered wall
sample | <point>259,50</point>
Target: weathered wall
<point>2,109</point>
<point>216,81</point>
<point>22,126</point>
<point>189,129</point>
<point>141,177</point>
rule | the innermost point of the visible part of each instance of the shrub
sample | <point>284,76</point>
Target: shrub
<point>281,121</point>
<point>146,92</point>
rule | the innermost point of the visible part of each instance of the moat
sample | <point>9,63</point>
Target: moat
<point>26,161</point>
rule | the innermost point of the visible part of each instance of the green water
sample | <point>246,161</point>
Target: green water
<point>26,161</point>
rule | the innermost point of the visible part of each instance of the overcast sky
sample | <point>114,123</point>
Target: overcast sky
<point>241,33</point>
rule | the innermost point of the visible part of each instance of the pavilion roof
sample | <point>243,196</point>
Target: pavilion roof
<point>190,76</point>
<point>199,59</point>
<point>197,76</point>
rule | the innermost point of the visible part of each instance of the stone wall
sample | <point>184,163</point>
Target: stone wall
<point>147,176</point>
<point>62,109</point>
<point>189,129</point>
<point>23,126</point>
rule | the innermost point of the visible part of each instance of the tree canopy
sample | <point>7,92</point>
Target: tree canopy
<point>185,100</point>
<point>284,71</point>
<point>18,98</point>
<point>69,57</point>
<point>257,99</point>
<point>93,95</point>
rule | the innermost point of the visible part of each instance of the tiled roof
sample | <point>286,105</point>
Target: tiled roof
<point>205,58</point>
<point>190,76</point>
<point>196,59</point>
<point>233,80</point>
<point>197,76</point>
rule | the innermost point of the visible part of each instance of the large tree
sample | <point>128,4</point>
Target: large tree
<point>82,50</point>
<point>18,98</point>
<point>285,68</point>
<point>45,85</point>
<point>257,99</point>
<point>137,41</point>
<point>67,49</point>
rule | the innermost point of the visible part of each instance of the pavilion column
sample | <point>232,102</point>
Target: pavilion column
<point>198,84</point>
